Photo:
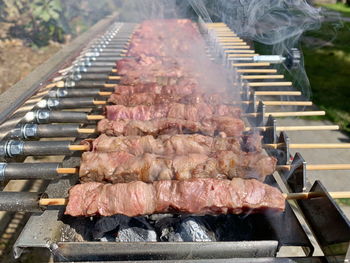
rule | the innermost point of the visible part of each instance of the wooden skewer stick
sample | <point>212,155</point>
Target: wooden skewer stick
<point>296,128</point>
<point>95,117</point>
<point>222,26</point>
<point>309,195</point>
<point>277,103</point>
<point>216,24</point>
<point>253,64</point>
<point>308,128</point>
<point>225,31</point>
<point>58,84</point>
<point>318,167</point>
<point>289,196</point>
<point>287,103</point>
<point>114,70</point>
<point>114,77</point>
<point>109,85</point>
<point>86,130</point>
<point>79,147</point>
<point>233,43</point>
<point>100,102</point>
<point>287,114</point>
<point>228,40</point>
<point>277,93</point>
<point>229,44</point>
<point>239,51</point>
<point>311,145</point>
<point>262,76</point>
<point>232,47</point>
<point>270,84</point>
<point>241,55</point>
<point>67,170</point>
<point>268,70</point>
<point>105,93</point>
<point>222,30</point>
<point>53,201</point>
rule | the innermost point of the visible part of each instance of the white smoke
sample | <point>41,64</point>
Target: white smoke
<point>277,24</point>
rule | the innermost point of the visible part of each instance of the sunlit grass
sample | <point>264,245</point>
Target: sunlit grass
<point>345,201</point>
<point>328,68</point>
<point>340,7</point>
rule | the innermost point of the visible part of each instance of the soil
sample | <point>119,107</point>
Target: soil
<point>17,60</point>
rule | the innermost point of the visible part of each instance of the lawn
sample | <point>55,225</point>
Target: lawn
<point>328,68</point>
<point>340,7</point>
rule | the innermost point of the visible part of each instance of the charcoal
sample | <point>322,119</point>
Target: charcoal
<point>166,227</point>
<point>194,229</point>
<point>107,224</point>
<point>121,228</point>
<point>108,237</point>
<point>138,230</point>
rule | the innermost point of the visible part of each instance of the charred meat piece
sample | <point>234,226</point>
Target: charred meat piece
<point>194,196</point>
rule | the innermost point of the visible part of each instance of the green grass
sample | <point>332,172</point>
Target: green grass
<point>345,201</point>
<point>328,69</point>
<point>340,7</point>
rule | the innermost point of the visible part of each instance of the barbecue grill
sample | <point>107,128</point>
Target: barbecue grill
<point>64,99</point>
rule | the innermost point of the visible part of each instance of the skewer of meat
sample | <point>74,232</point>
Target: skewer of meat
<point>178,144</point>
<point>153,98</point>
<point>195,196</point>
<point>192,112</point>
<point>118,167</point>
<point>231,127</point>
